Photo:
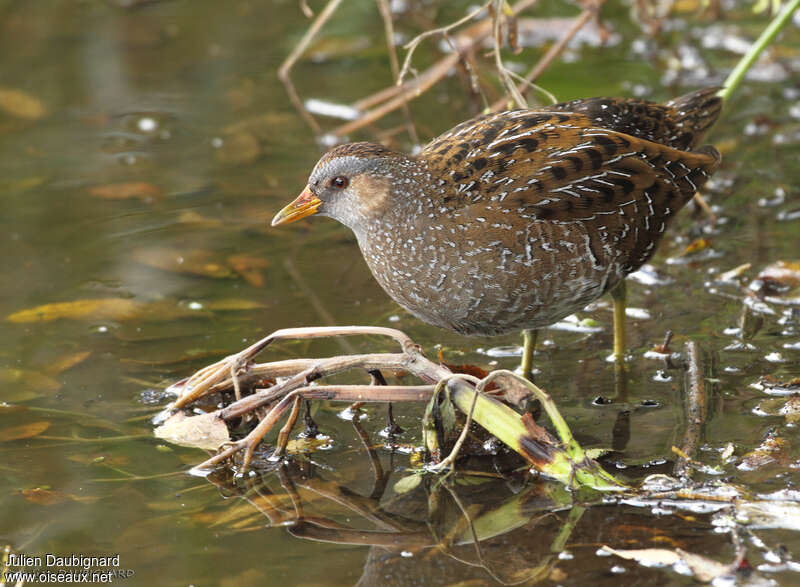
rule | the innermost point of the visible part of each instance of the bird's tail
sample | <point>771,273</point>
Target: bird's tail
<point>695,113</point>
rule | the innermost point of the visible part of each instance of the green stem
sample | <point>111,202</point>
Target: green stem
<point>570,465</point>
<point>738,73</point>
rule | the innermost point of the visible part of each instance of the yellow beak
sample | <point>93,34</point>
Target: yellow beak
<point>304,205</point>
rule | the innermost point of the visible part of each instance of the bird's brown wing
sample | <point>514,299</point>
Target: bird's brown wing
<point>680,123</point>
<point>558,168</point>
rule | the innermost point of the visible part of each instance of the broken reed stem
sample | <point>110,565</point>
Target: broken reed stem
<point>297,52</point>
<point>412,45</point>
<point>590,11</point>
<point>424,83</point>
<point>283,435</point>
<point>465,42</point>
<point>502,71</point>
<point>566,463</point>
<point>388,27</point>
<point>696,409</point>
<point>209,377</point>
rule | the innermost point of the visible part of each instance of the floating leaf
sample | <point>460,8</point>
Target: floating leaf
<point>94,309</point>
<point>127,190</point>
<point>25,431</point>
<point>21,104</point>
<point>205,431</point>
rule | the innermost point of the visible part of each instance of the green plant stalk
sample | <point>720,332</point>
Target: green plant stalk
<point>766,37</point>
<point>572,466</point>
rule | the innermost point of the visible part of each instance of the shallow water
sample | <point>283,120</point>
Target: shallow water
<point>181,100</point>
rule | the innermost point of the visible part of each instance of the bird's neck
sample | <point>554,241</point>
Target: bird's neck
<point>396,196</point>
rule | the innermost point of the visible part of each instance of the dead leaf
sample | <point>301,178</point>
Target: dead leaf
<point>241,148</point>
<point>696,246</point>
<point>17,186</point>
<point>307,444</point>
<point>769,514</point>
<point>772,450</point>
<point>67,362</point>
<point>647,556</point>
<point>41,496</point>
<point>21,104</point>
<point>246,578</point>
<point>735,273</point>
<point>27,380</point>
<point>195,218</point>
<point>25,431</point>
<point>780,279</point>
<point>205,431</point>
<point>93,309</point>
<point>127,190</point>
<point>196,262</point>
<point>514,391</point>
<point>557,575</point>
<point>87,459</point>
<point>407,483</point>
<point>777,386</point>
<point>703,568</point>
<point>791,409</point>
<point>241,96</point>
<point>6,408</point>
<point>233,305</point>
<point>467,369</point>
<point>249,267</point>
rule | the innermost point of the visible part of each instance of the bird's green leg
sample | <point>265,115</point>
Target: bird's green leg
<point>618,294</point>
<point>529,345</point>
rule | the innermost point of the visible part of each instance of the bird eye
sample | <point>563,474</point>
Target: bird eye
<point>339,182</point>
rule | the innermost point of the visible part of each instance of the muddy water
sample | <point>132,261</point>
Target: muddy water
<point>143,151</point>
